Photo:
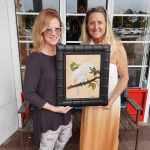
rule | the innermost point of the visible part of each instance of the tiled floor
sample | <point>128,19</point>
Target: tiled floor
<point>126,137</point>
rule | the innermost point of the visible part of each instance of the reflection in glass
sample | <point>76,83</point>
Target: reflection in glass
<point>24,5</point>
<point>51,4</point>
<point>95,3</point>
<point>135,53</point>
<point>73,27</point>
<point>71,6</point>
<point>24,51</point>
<point>132,28</point>
<point>24,25</point>
<point>134,77</point>
<point>131,6</point>
<point>81,6</point>
<point>35,5</point>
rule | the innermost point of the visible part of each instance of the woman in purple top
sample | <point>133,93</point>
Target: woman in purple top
<point>52,124</point>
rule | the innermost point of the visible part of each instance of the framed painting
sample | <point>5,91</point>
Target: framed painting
<point>82,75</point>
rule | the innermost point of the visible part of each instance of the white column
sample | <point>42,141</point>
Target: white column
<point>15,52</point>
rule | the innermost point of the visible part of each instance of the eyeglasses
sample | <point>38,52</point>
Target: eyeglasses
<point>56,30</point>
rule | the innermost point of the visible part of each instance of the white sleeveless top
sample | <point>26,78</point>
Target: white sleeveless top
<point>113,80</point>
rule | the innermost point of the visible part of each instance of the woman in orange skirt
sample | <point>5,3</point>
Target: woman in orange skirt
<point>100,124</point>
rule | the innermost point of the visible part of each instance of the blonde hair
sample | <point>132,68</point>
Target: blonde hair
<point>41,24</point>
<point>109,37</point>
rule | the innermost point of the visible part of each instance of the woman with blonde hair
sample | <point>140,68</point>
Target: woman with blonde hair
<point>52,124</point>
<point>100,124</point>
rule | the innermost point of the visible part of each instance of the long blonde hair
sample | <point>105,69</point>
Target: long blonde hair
<point>109,37</point>
<point>41,24</point>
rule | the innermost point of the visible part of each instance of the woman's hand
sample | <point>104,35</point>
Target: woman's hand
<point>106,107</point>
<point>57,109</point>
<point>63,109</point>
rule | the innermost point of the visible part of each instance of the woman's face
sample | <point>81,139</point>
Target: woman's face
<point>53,33</point>
<point>97,26</point>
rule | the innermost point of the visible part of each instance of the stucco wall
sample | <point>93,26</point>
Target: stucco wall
<point>8,98</point>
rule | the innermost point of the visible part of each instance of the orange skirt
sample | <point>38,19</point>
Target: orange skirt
<point>100,128</point>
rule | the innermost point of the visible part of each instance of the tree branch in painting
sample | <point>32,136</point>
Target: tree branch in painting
<point>80,75</point>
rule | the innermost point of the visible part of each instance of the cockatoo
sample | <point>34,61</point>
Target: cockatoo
<point>80,75</point>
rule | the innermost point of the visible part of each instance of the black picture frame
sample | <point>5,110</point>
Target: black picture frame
<point>94,53</point>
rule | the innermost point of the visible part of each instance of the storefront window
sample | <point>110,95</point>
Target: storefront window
<point>75,14</point>
<point>24,51</point>
<point>81,6</point>
<point>132,28</point>
<point>26,11</point>
<point>95,3</point>
<point>131,23</point>
<point>135,53</point>
<point>24,25</point>
<point>134,77</point>
<point>73,27</point>
<point>36,5</point>
<point>131,6</point>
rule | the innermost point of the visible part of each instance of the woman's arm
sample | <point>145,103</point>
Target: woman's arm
<point>31,80</point>
<point>122,68</point>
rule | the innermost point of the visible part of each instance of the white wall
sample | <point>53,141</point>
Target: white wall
<point>10,84</point>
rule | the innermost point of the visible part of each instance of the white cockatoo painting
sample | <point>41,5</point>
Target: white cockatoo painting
<point>80,75</point>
